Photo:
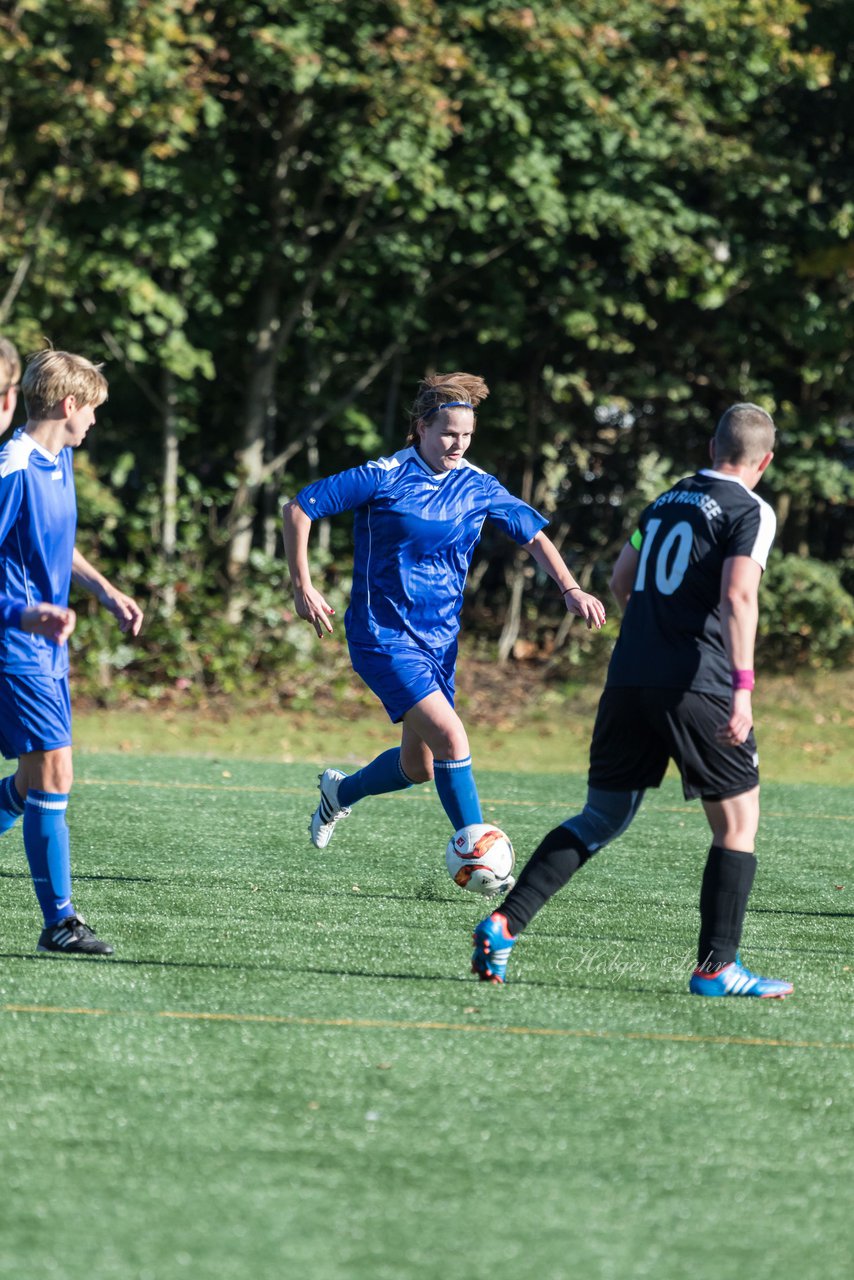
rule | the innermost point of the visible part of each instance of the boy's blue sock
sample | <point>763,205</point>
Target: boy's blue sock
<point>11,804</point>
<point>48,853</point>
<point>457,791</point>
<point>381,775</point>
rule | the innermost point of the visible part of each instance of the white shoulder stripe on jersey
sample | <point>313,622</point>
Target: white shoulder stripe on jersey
<point>765,533</point>
<point>767,519</point>
<point>15,455</point>
<point>396,460</point>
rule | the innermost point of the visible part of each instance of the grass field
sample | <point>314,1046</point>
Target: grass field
<point>806,726</point>
<point>287,1070</point>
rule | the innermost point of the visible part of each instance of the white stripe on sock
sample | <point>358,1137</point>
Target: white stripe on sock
<point>48,806</point>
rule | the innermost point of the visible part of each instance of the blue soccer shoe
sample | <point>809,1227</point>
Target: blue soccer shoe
<point>492,946</point>
<point>735,980</point>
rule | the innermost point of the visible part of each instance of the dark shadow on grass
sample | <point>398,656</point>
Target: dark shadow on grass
<point>788,911</point>
<point>334,895</point>
<point>329,972</point>
<point>235,968</point>
<point>24,875</point>
<point>540,984</point>
<point>227,968</point>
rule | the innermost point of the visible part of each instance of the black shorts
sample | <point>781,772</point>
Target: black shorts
<point>638,731</point>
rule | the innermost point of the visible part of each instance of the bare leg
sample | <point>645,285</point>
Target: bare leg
<point>435,741</point>
<point>734,821</point>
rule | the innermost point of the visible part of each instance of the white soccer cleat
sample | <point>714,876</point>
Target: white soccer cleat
<point>328,812</point>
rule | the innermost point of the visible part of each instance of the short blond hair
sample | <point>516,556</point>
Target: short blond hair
<point>744,434</point>
<point>51,375</point>
<point>10,365</point>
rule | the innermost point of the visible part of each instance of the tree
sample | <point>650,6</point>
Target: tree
<point>271,218</point>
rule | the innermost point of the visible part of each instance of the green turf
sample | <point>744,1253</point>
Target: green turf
<point>362,1108</point>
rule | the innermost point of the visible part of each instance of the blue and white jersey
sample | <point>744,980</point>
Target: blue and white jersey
<point>414,534</point>
<point>38,526</point>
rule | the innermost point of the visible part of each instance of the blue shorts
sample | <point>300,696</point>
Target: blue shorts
<point>403,673</point>
<point>35,714</point>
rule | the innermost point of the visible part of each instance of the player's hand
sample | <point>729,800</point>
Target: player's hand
<point>585,606</point>
<point>125,610</point>
<point>50,620</point>
<point>740,722</point>
<point>311,606</point>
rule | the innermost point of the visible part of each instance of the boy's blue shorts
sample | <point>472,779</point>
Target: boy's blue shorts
<point>35,714</point>
<point>403,673</point>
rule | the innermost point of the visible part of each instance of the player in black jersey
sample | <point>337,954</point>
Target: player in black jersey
<point>679,687</point>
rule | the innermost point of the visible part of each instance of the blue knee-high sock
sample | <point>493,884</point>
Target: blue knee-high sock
<point>457,791</point>
<point>48,853</point>
<point>11,804</point>
<point>383,774</point>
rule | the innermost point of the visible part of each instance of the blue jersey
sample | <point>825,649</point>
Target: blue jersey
<point>38,525</point>
<point>414,535</point>
<point>10,612</point>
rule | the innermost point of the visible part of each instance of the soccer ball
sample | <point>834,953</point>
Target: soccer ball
<point>481,858</point>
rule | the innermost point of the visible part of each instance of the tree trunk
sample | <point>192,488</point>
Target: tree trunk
<point>23,267</point>
<point>513,618</point>
<point>169,534</point>
<point>391,424</point>
<point>272,522</point>
<point>266,344</point>
<point>250,457</point>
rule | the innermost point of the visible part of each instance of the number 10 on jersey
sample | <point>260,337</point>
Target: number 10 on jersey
<point>670,558</point>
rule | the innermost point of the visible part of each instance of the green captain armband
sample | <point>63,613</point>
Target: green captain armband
<point>636,540</point>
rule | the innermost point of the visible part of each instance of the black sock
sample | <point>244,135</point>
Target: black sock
<point>727,881</point>
<point>553,862</point>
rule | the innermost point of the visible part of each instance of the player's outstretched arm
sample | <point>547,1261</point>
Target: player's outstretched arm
<point>308,601</point>
<point>122,607</point>
<point>739,619</point>
<point>577,601</point>
<point>49,620</point>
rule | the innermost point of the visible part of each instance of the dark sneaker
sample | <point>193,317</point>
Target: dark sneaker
<point>72,936</point>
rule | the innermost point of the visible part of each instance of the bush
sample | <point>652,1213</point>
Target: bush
<point>190,650</point>
<point>806,617</point>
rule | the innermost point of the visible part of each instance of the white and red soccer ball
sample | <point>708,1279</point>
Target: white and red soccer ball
<point>480,858</point>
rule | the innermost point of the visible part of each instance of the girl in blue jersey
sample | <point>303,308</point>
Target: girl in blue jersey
<point>418,517</point>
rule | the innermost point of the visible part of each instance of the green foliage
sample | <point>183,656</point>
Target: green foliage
<point>276,216</point>
<point>187,647</point>
<point>806,616</point>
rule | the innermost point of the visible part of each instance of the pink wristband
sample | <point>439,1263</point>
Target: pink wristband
<point>743,680</point>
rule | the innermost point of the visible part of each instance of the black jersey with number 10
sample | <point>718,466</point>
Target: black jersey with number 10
<point>670,636</point>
